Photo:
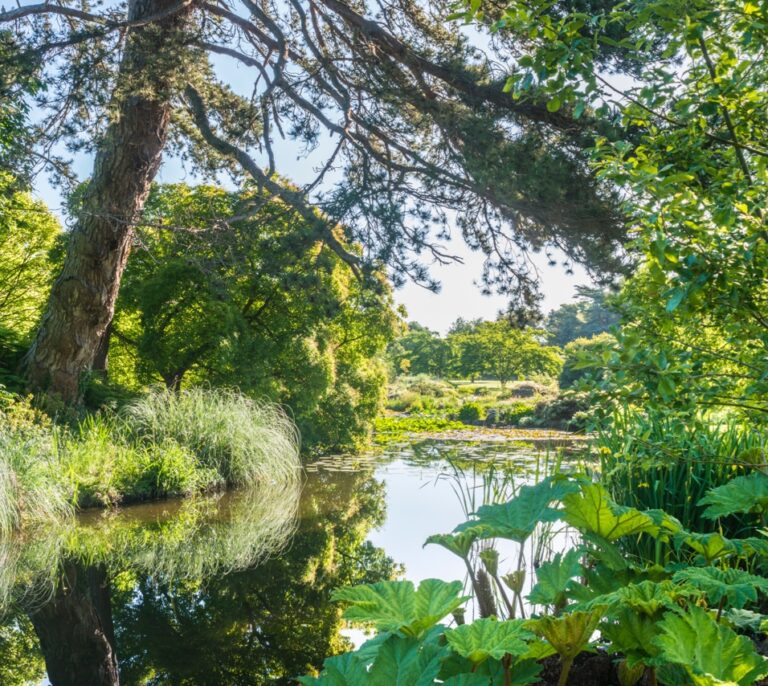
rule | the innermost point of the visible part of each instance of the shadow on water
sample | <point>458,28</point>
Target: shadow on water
<point>235,589</point>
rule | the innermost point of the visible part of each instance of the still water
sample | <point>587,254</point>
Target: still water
<point>236,589</point>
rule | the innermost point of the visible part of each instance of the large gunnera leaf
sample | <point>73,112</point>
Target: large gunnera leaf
<point>710,652</point>
<point>734,585</point>
<point>486,638</point>
<point>553,579</point>
<point>341,670</point>
<point>592,511</point>
<point>398,606</point>
<point>517,519</point>
<point>742,494</point>
<point>459,544</point>
<point>406,661</point>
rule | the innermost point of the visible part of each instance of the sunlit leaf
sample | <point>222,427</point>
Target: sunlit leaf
<point>591,510</point>
<point>517,519</point>
<point>568,634</point>
<point>711,653</point>
<point>341,670</point>
<point>553,578</point>
<point>743,494</point>
<point>398,606</point>
<point>734,585</point>
<point>406,661</point>
<point>486,638</point>
<point>459,544</point>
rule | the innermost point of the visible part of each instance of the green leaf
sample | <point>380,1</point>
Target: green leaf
<point>554,104</point>
<point>742,494</point>
<point>709,546</point>
<point>517,519</point>
<point>632,635</point>
<point>406,661</point>
<point>459,544</point>
<point>341,670</point>
<point>486,638</point>
<point>397,606</point>
<point>592,511</point>
<point>568,634</point>
<point>734,585</point>
<point>710,652</point>
<point>554,577</point>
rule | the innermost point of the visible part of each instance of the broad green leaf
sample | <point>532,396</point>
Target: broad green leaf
<point>398,606</point>
<point>341,670</point>
<point>711,653</point>
<point>406,661</point>
<point>709,546</point>
<point>734,585</point>
<point>743,494</point>
<point>632,635</point>
<point>554,577</point>
<point>649,598</point>
<point>486,638</point>
<point>592,511</point>
<point>517,519</point>
<point>459,544</point>
<point>568,634</point>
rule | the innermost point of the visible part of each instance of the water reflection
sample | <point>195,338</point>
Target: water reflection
<point>236,589</point>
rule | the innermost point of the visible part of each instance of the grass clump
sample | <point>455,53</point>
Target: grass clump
<point>241,439</point>
<point>28,491</point>
<point>164,444</point>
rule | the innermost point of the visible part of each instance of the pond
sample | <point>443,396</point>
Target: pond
<point>236,589</point>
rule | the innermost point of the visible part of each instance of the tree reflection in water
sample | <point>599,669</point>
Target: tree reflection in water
<point>221,590</point>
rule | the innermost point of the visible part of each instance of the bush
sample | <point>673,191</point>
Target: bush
<point>524,389</point>
<point>470,413</point>
<point>512,414</point>
<point>561,411</point>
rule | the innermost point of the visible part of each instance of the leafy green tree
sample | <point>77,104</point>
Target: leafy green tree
<point>466,350</point>
<point>587,317</point>
<point>693,171</point>
<point>261,305</point>
<point>425,350</point>
<point>28,236</point>
<point>510,353</point>
<point>420,129</point>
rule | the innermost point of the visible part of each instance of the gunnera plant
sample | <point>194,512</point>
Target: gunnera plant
<point>244,440</point>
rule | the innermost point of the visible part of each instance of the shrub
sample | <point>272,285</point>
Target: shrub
<point>524,389</point>
<point>241,439</point>
<point>512,414</point>
<point>561,411</point>
<point>469,413</point>
<point>580,351</point>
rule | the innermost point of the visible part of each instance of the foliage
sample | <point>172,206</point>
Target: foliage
<point>164,444</point>
<point>660,619</point>
<point>580,359</point>
<point>263,305</point>
<point>470,413</point>
<point>396,606</point>
<point>420,351</point>
<point>588,317</point>
<point>29,235</point>
<point>711,653</point>
<point>242,440</point>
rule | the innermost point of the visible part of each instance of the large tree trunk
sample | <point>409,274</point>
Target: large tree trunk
<point>75,630</point>
<point>82,300</point>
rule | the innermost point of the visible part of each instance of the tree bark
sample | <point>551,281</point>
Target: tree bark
<point>82,300</point>
<point>76,632</point>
